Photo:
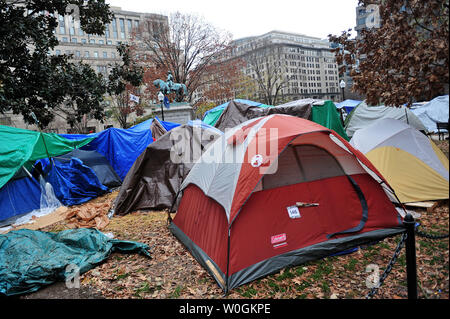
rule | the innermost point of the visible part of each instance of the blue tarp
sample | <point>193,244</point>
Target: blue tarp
<point>18,197</point>
<point>348,105</point>
<point>30,259</point>
<point>73,182</point>
<point>121,147</point>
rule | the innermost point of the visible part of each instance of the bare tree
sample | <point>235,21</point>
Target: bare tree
<point>186,47</point>
<point>265,61</point>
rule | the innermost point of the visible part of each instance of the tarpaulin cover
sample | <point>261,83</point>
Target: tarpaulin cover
<point>156,176</point>
<point>323,112</point>
<point>19,196</point>
<point>211,116</point>
<point>348,105</point>
<point>99,164</point>
<point>328,116</point>
<point>365,114</point>
<point>73,182</point>
<point>30,259</point>
<point>19,147</point>
<point>433,112</point>
<point>237,113</point>
<point>121,147</point>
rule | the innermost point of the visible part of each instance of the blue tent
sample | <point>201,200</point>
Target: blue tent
<point>121,147</point>
<point>348,105</point>
<point>18,197</point>
<point>73,182</point>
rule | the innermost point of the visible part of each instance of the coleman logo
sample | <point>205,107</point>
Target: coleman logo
<point>256,160</point>
<point>278,238</point>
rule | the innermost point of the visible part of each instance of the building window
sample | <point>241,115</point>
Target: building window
<point>74,40</point>
<point>65,39</point>
<point>136,24</point>
<point>101,42</point>
<point>57,52</point>
<point>83,41</point>
<point>129,26</point>
<point>109,42</point>
<point>86,54</point>
<point>105,55</point>
<point>107,31</point>
<point>122,28</point>
<point>92,41</point>
<point>113,55</point>
<point>114,27</point>
<point>95,54</point>
<point>62,26</point>
<point>77,54</point>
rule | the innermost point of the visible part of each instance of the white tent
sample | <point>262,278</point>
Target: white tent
<point>411,163</point>
<point>363,115</point>
<point>432,112</point>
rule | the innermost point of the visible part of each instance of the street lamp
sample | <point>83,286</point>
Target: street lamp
<point>161,99</point>
<point>342,85</point>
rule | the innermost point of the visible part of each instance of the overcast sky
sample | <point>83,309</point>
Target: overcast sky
<point>244,18</point>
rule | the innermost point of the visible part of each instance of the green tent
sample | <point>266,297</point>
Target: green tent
<point>328,116</point>
<point>19,147</point>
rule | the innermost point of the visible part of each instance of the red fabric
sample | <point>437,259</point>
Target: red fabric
<point>204,221</point>
<point>265,216</point>
<point>287,128</point>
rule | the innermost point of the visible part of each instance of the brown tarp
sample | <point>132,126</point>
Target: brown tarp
<point>156,176</point>
<point>157,129</point>
<point>236,113</point>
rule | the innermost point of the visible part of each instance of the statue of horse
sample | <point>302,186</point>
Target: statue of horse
<point>162,86</point>
<point>179,88</point>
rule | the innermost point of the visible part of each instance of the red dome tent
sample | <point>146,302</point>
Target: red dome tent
<point>278,191</point>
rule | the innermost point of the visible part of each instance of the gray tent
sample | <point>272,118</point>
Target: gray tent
<point>157,129</point>
<point>364,115</point>
<point>155,177</point>
<point>236,113</point>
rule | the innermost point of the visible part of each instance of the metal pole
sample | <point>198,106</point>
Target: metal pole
<point>162,111</point>
<point>411,267</point>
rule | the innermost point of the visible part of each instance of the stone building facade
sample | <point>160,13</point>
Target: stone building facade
<point>306,63</point>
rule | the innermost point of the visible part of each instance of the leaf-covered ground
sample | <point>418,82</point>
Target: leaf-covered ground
<point>174,273</point>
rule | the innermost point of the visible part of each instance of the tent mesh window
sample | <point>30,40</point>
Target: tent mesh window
<point>302,163</point>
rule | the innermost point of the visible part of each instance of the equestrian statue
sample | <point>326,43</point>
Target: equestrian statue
<point>169,87</point>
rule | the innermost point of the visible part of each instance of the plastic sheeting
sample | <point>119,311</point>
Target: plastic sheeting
<point>432,112</point>
<point>348,105</point>
<point>18,197</point>
<point>364,115</point>
<point>121,147</point>
<point>99,164</point>
<point>211,116</point>
<point>19,147</point>
<point>328,116</point>
<point>31,259</point>
<point>156,176</point>
<point>73,182</point>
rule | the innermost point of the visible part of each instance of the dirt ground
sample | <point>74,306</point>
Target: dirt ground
<point>173,273</point>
